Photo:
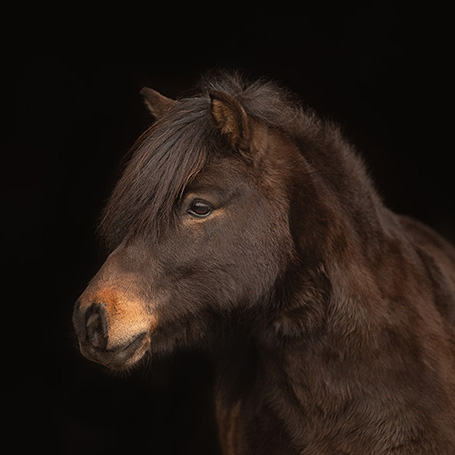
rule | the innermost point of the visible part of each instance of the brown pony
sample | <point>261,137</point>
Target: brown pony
<point>244,223</point>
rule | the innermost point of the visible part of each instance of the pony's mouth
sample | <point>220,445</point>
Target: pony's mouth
<point>119,357</point>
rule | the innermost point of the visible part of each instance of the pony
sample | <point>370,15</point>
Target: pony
<point>244,223</point>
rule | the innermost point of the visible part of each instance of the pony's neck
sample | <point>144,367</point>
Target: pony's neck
<point>339,226</point>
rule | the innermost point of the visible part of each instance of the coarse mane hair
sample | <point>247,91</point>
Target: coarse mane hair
<point>177,146</point>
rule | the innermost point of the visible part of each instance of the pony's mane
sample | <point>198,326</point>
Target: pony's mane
<point>175,149</point>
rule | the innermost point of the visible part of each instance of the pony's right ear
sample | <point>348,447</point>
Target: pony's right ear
<point>230,119</point>
<point>157,104</point>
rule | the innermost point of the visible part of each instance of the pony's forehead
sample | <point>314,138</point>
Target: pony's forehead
<point>175,149</point>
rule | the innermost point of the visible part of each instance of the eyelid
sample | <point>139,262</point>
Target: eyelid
<point>203,197</point>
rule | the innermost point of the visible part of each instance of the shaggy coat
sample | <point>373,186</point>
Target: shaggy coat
<point>244,223</point>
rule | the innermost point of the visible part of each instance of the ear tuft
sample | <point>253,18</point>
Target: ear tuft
<point>230,118</point>
<point>157,104</point>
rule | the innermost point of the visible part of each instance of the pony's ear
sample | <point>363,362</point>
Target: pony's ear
<point>157,104</point>
<point>230,119</point>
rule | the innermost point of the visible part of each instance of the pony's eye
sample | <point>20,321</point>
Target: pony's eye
<point>200,208</point>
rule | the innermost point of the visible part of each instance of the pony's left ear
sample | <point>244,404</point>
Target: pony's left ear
<point>230,119</point>
<point>157,103</point>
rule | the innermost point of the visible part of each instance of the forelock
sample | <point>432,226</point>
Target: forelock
<point>165,159</point>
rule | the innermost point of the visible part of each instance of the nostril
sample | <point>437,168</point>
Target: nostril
<point>96,325</point>
<point>79,321</point>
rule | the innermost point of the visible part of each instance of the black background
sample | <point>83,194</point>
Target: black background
<point>70,98</point>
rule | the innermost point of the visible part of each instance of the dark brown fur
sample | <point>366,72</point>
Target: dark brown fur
<point>333,318</point>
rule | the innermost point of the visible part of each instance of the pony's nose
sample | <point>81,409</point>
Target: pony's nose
<point>96,325</point>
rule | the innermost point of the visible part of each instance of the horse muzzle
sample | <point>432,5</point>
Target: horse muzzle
<point>112,329</point>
